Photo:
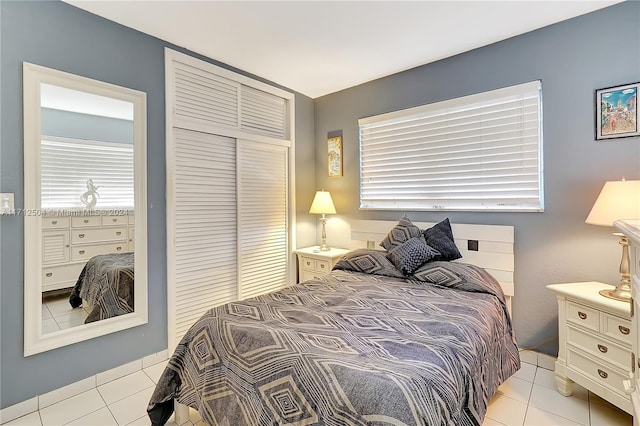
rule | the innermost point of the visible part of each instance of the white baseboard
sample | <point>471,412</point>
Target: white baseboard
<point>536,358</point>
<point>40,401</point>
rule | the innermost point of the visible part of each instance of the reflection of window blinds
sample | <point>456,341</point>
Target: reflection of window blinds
<point>67,164</point>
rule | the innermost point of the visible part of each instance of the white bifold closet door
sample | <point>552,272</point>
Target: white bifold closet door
<point>206,272</point>
<point>231,230</point>
<point>262,218</point>
<point>229,161</point>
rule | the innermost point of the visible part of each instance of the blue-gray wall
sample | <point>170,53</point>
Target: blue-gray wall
<point>572,58</point>
<point>67,124</point>
<point>60,36</point>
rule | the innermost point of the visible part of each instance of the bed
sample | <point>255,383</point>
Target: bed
<point>368,344</point>
<point>106,284</point>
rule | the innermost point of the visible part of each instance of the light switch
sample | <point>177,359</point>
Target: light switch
<point>6,203</point>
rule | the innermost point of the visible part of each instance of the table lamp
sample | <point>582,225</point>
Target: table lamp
<point>618,200</point>
<point>323,204</point>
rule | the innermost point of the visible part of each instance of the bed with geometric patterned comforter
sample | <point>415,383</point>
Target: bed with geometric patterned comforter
<point>106,284</point>
<point>348,348</point>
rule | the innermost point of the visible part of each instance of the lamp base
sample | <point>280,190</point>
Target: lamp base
<point>622,291</point>
<point>617,294</point>
<point>323,243</point>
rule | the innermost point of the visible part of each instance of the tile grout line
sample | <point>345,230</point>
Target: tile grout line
<point>533,383</point>
<point>85,415</point>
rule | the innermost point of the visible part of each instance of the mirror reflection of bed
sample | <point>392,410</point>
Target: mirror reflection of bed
<point>87,198</point>
<point>104,289</point>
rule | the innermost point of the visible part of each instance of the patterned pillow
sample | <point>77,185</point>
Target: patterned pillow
<point>440,237</point>
<point>403,231</point>
<point>409,255</point>
<point>368,261</point>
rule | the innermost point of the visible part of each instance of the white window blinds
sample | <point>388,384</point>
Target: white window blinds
<point>67,164</point>
<point>478,152</point>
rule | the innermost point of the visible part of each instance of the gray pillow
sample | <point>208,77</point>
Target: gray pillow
<point>369,262</point>
<point>440,237</point>
<point>410,255</point>
<point>403,231</point>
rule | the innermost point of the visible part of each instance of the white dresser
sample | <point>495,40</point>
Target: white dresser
<point>594,342</point>
<point>631,228</point>
<point>313,263</point>
<point>69,240</point>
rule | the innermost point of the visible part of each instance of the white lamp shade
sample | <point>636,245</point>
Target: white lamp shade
<point>617,200</point>
<point>322,204</point>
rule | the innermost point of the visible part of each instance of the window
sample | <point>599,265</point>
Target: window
<point>68,163</point>
<point>481,152</point>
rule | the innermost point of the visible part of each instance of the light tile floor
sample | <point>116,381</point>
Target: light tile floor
<point>528,398</point>
<point>57,313</point>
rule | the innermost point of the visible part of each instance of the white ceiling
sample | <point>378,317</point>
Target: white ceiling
<point>320,47</point>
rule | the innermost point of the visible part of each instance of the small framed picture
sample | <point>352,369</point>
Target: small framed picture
<point>617,112</point>
<point>334,157</point>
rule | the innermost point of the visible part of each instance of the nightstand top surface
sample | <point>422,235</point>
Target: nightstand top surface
<point>315,251</point>
<point>631,228</point>
<point>588,292</point>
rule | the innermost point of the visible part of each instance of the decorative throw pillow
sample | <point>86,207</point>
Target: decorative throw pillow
<point>440,237</point>
<point>403,231</point>
<point>409,255</point>
<point>368,261</point>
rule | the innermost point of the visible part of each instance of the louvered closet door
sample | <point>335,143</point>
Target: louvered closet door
<point>262,218</point>
<point>203,99</point>
<point>205,226</point>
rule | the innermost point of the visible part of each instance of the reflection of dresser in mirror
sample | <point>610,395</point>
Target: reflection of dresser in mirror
<point>69,240</point>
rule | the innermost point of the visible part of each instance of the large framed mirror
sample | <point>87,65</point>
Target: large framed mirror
<point>85,228</point>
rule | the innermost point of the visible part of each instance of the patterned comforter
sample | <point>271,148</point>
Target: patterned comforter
<point>106,284</point>
<point>348,349</point>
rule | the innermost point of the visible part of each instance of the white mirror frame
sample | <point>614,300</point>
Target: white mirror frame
<point>34,340</point>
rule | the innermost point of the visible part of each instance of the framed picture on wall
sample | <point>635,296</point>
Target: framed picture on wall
<point>617,112</point>
<point>334,156</point>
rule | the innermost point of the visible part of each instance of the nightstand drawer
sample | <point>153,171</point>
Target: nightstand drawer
<point>607,352</point>
<point>617,328</point>
<point>308,263</point>
<point>583,315</point>
<point>322,266</point>
<point>314,263</point>
<point>604,375</point>
<point>309,275</point>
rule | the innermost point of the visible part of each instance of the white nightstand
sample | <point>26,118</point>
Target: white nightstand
<point>313,263</point>
<point>594,339</point>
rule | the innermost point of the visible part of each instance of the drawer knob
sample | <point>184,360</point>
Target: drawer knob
<point>603,349</point>
<point>582,315</point>
<point>308,263</point>
<point>118,233</point>
<point>114,219</point>
<point>81,252</point>
<point>118,248</point>
<point>54,222</point>
<point>624,330</point>
<point>603,374</point>
<point>86,221</point>
<point>322,266</point>
<point>81,236</point>
<point>49,274</point>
